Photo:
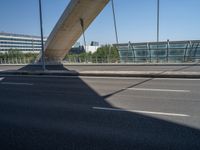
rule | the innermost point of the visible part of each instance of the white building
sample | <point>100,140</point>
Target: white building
<point>22,43</point>
<point>92,47</point>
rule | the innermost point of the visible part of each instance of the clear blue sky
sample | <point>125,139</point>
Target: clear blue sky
<point>136,19</point>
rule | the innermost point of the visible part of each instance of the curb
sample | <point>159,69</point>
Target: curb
<point>132,64</point>
<point>69,73</point>
<point>112,64</point>
<point>152,74</point>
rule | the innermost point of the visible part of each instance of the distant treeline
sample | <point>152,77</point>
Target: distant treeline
<point>16,54</point>
<point>106,53</point>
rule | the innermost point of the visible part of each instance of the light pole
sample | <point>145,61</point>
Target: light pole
<point>158,19</point>
<point>158,25</point>
<point>42,38</point>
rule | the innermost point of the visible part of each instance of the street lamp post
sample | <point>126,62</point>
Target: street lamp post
<point>158,25</point>
<point>42,37</point>
<point>158,19</point>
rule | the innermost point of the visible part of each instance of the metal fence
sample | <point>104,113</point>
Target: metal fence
<point>153,52</point>
<point>160,52</point>
<point>78,60</point>
<point>92,60</point>
<point>126,60</point>
<point>17,61</point>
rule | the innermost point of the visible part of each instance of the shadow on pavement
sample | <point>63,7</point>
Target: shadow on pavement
<point>58,114</point>
<point>124,89</point>
<point>59,67</point>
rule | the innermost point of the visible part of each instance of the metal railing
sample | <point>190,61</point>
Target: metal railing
<point>16,61</point>
<point>158,52</point>
<point>106,60</point>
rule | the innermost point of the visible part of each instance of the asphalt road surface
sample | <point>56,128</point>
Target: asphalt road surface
<point>191,68</point>
<point>97,113</point>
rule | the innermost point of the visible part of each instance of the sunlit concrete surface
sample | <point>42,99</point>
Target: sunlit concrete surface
<point>68,29</point>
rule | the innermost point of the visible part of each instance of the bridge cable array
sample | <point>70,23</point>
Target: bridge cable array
<point>83,31</point>
<point>115,22</point>
<point>115,25</point>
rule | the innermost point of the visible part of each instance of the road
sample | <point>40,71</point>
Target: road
<point>190,68</point>
<point>99,113</point>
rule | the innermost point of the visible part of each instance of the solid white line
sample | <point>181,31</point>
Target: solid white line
<point>176,79</point>
<point>158,90</point>
<point>15,83</point>
<point>142,112</point>
<point>113,78</point>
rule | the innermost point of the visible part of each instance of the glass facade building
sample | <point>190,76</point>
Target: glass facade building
<point>23,43</point>
<point>169,51</point>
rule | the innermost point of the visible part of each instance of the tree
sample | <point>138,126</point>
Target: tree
<point>106,53</point>
<point>16,55</point>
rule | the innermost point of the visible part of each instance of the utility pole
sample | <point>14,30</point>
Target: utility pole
<point>42,37</point>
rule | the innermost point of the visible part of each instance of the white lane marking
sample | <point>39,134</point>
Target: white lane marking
<point>157,90</point>
<point>176,79</point>
<point>142,112</point>
<point>15,83</point>
<point>114,78</point>
<point>1,79</point>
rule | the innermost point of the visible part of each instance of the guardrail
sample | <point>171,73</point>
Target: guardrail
<point>78,60</point>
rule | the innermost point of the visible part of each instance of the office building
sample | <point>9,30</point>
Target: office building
<point>19,42</point>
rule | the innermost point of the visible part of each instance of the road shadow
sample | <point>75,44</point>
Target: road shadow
<point>58,113</point>
<point>124,89</point>
<point>59,67</point>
